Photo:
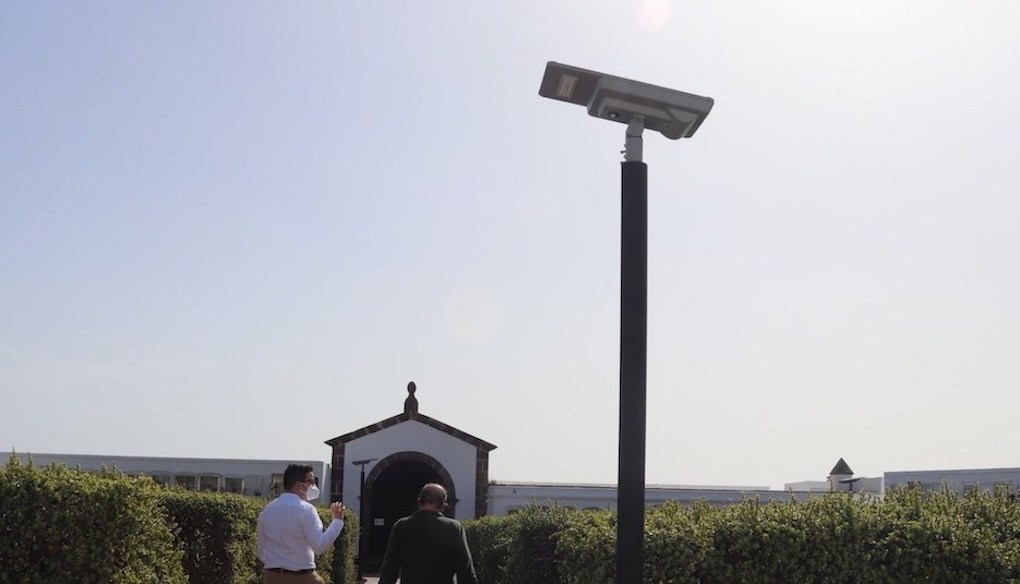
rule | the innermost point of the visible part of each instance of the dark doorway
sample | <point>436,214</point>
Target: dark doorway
<point>394,494</point>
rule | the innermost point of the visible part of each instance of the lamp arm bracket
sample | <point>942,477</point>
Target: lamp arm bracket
<point>633,146</point>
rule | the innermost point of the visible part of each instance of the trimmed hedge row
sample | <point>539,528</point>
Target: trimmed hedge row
<point>58,525</point>
<point>908,536</point>
<point>217,533</point>
<point>61,525</point>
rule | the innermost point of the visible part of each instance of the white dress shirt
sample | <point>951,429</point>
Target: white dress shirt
<point>290,533</point>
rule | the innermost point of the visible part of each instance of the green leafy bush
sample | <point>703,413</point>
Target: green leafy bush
<point>587,547</point>
<point>340,559</point>
<point>908,536</point>
<point>534,557</point>
<point>490,539</point>
<point>217,533</point>
<point>63,525</point>
<point>59,525</point>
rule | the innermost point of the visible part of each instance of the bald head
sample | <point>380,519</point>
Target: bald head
<point>432,496</point>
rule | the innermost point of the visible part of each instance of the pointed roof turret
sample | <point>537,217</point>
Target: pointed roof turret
<point>841,468</point>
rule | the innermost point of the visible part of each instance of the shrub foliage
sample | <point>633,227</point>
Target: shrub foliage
<point>63,525</point>
<point>59,525</point>
<point>907,536</point>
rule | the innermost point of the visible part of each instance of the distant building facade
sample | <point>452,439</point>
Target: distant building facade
<point>506,498</point>
<point>958,480</point>
<point>256,478</point>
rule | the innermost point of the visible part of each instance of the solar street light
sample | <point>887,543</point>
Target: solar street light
<point>675,115</point>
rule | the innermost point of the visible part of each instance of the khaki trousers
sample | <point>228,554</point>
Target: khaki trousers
<point>278,578</point>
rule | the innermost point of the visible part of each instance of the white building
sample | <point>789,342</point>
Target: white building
<point>509,497</point>
<point>379,470</point>
<point>959,481</point>
<point>257,478</point>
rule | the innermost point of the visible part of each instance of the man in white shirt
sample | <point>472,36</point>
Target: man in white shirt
<point>290,532</point>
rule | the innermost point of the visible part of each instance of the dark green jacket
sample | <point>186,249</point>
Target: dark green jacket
<point>427,548</point>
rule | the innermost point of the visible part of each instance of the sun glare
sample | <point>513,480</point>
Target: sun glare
<point>654,14</point>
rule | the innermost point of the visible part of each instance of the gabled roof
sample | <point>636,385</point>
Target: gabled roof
<point>841,468</point>
<point>411,413</point>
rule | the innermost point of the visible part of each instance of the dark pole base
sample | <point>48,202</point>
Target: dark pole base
<point>630,528</point>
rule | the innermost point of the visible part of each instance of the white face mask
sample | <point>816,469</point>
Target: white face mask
<point>312,493</point>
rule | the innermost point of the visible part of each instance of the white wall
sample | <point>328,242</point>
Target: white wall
<point>457,456</point>
<point>808,486</point>
<point>958,480</point>
<point>256,474</point>
<point>506,497</point>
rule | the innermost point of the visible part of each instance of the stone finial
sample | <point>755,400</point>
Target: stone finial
<point>411,403</point>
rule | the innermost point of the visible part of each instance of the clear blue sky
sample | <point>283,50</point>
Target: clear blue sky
<point>238,229</point>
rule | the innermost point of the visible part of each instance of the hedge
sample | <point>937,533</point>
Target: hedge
<point>62,525</point>
<point>907,536</point>
<point>59,525</point>
<point>217,533</point>
<point>490,541</point>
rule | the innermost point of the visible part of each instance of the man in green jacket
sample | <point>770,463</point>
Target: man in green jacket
<point>428,547</point>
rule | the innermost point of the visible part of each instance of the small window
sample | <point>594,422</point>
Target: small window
<point>233,485</point>
<point>185,481</point>
<point>276,484</point>
<point>209,483</point>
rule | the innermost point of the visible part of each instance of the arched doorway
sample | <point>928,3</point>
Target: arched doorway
<point>391,492</point>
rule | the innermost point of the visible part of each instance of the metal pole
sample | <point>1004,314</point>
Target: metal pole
<point>361,524</point>
<point>630,528</point>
